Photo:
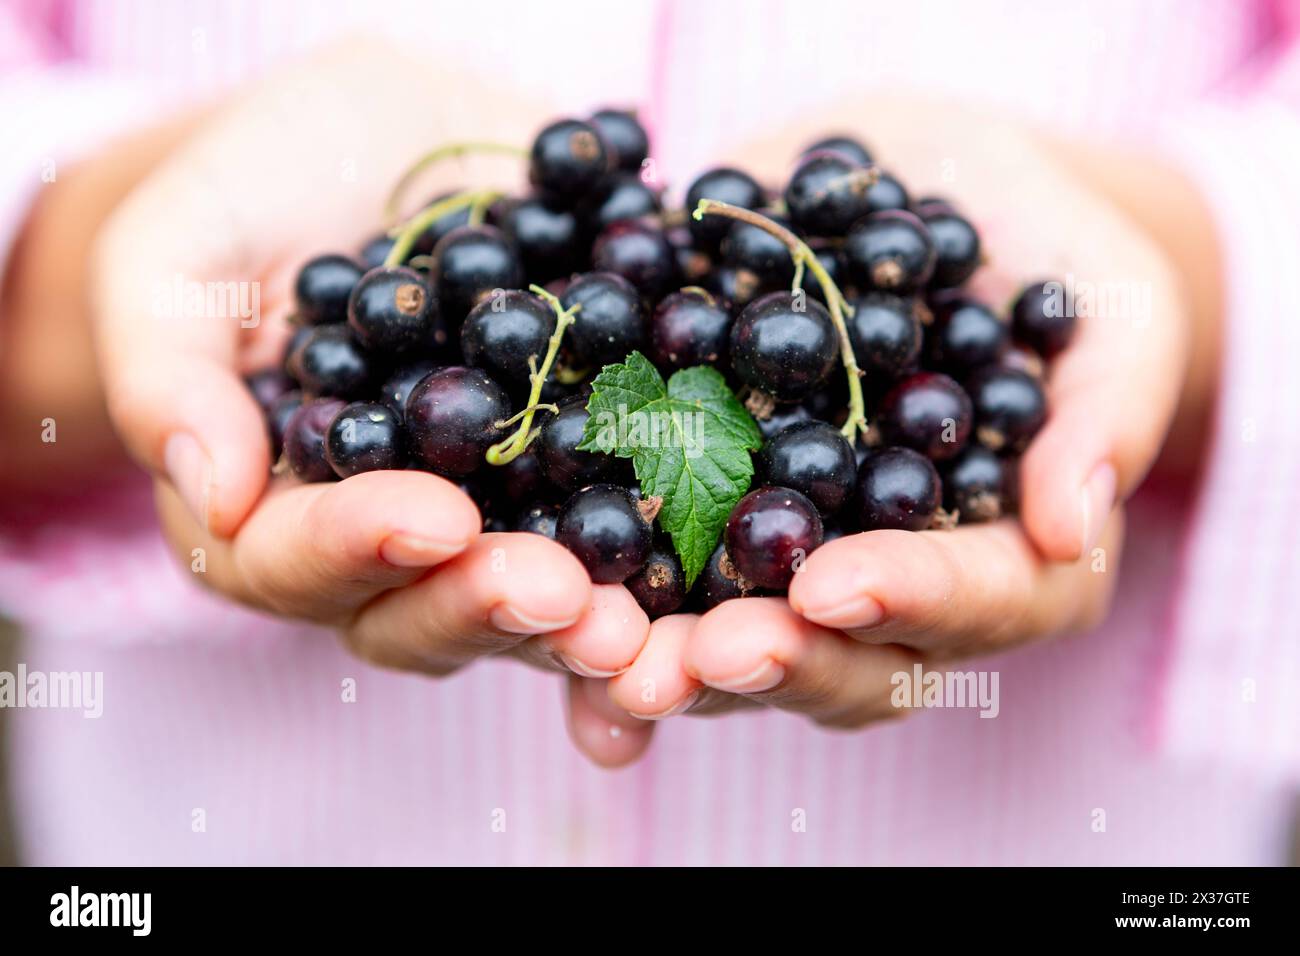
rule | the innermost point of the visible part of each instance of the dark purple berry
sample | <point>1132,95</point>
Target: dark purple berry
<point>304,439</point>
<point>770,533</point>
<point>964,336</point>
<point>827,193</point>
<point>473,261</point>
<point>725,185</point>
<point>397,389</point>
<point>277,419</point>
<point>781,418</point>
<point>734,286</point>
<point>897,488</point>
<point>322,288</point>
<point>557,449</point>
<point>441,226</point>
<point>782,349</point>
<point>689,328</point>
<point>605,528</point>
<point>364,436</point>
<point>503,332</point>
<point>568,159</point>
<point>956,247</point>
<point>886,334</point>
<point>625,137</point>
<point>849,147</point>
<point>692,264</point>
<point>1043,319</point>
<point>929,413</point>
<point>267,385</point>
<point>374,253</point>
<point>452,419</point>
<point>890,251</point>
<point>611,322</point>
<point>392,310</point>
<point>329,361</point>
<point>814,459</point>
<point>660,586</point>
<point>547,236</point>
<point>1010,408</point>
<point>539,519</point>
<point>719,581</point>
<point>831,260</point>
<point>640,253</point>
<point>521,480</point>
<point>757,251</point>
<point>886,193</point>
<point>975,485</point>
<point>619,197</point>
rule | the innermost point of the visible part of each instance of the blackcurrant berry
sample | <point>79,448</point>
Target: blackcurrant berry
<point>441,226</point>
<point>557,450</point>
<point>897,488</point>
<point>832,261</point>
<point>520,480</point>
<point>1010,408</point>
<point>472,262</point>
<point>640,253</point>
<point>926,206</point>
<point>886,334</point>
<point>725,185</point>
<point>547,236</point>
<point>392,310</point>
<point>719,581</point>
<point>886,193</point>
<point>927,412</point>
<point>891,251</point>
<point>568,159</point>
<point>849,147</point>
<point>329,361</point>
<point>975,485</point>
<point>452,419</point>
<point>539,519</point>
<point>364,436</point>
<point>693,264</point>
<point>660,586</point>
<point>770,533</point>
<point>827,193</point>
<point>782,418</point>
<point>964,336</point>
<point>375,251</point>
<point>503,332</point>
<point>304,439</point>
<point>784,345</point>
<point>814,459</point>
<point>267,385</point>
<point>605,528</point>
<point>956,247</point>
<point>735,287</point>
<point>397,389</point>
<point>322,288</point>
<point>625,137</point>
<point>277,419</point>
<point>689,328</point>
<point>758,251</point>
<point>1042,319</point>
<point>618,197</point>
<point>611,322</point>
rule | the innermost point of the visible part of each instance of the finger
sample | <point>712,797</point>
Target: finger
<point>607,639</point>
<point>950,593</point>
<point>657,685</point>
<point>759,648</point>
<point>502,590</point>
<point>322,551</point>
<point>600,730</point>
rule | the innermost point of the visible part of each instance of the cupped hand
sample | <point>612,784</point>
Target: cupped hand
<point>296,165</point>
<point>866,606</point>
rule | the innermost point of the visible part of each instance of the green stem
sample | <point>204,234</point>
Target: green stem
<point>436,156</point>
<point>803,258</point>
<point>504,452</point>
<point>413,228</point>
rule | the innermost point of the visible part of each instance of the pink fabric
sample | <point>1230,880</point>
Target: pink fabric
<point>209,706</point>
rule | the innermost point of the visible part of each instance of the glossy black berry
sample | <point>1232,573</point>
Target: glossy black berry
<point>539,519</point>
<point>832,261</point>
<point>692,264</point>
<point>277,419</point>
<point>557,450</point>
<point>770,533</point>
<point>975,485</point>
<point>364,436</point>
<point>734,286</point>
<point>1043,319</point>
<point>392,310</point>
<point>726,185</point>
<point>964,336</point>
<point>267,385</point>
<point>451,419</point>
<point>329,361</point>
<point>440,226</point>
<point>849,147</point>
<point>640,253</point>
<point>887,192</point>
<point>929,413</point>
<point>503,332</point>
<point>956,247</point>
<point>689,328</point>
<point>781,418</point>
<point>397,388</point>
<point>520,480</point>
<point>618,197</point>
<point>784,345</point>
<point>625,137</point>
<point>473,261</point>
<point>827,193</point>
<point>890,251</point>
<point>304,439</point>
<point>886,334</point>
<point>375,251</point>
<point>322,288</point>
<point>758,251</point>
<point>611,322</point>
<point>604,527</point>
<point>814,459</point>
<point>718,582</point>
<point>1010,408</point>
<point>897,488</point>
<point>660,586</point>
<point>568,159</point>
<point>547,235</point>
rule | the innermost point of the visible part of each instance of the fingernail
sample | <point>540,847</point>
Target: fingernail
<point>404,550</point>
<point>764,677</point>
<point>1096,500</point>
<point>681,707</point>
<point>860,611</point>
<point>190,472</point>
<point>584,670</point>
<point>513,621</point>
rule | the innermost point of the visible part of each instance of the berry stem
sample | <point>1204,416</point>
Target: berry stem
<point>805,258</point>
<point>435,156</point>
<point>407,234</point>
<point>504,452</point>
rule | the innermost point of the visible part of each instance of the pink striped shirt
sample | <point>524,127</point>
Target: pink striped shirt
<point>1178,718</point>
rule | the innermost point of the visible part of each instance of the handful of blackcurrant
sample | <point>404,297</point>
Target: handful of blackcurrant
<point>826,374</point>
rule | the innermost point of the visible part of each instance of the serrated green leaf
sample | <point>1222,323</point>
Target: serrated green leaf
<point>689,441</point>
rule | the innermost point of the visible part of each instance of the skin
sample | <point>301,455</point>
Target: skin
<point>416,586</point>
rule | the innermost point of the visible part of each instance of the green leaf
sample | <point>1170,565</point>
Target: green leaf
<point>689,441</point>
